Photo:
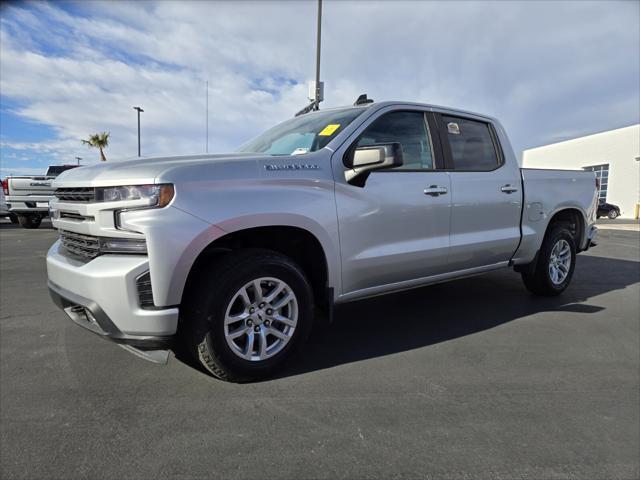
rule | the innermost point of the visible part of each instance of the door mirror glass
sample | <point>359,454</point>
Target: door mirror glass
<point>367,159</point>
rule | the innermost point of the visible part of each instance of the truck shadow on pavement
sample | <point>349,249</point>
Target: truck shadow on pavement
<point>430,315</point>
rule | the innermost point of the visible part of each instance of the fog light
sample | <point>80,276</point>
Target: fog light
<point>90,317</point>
<point>123,245</point>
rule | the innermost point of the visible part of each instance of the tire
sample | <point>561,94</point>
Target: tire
<point>613,214</point>
<point>32,220</point>
<point>13,218</point>
<point>540,280</point>
<point>218,295</point>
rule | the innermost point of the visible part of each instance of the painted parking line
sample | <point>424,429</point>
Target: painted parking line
<point>629,227</point>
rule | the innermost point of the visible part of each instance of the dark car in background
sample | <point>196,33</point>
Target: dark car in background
<point>608,210</point>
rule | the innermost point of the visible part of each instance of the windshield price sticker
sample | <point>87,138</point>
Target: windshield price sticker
<point>329,130</point>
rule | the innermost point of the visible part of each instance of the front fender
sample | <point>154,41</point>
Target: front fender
<point>326,234</point>
<point>305,202</point>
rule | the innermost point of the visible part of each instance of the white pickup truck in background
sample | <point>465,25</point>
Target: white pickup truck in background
<point>4,209</point>
<point>27,198</point>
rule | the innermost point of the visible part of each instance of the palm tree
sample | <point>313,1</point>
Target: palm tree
<point>100,141</point>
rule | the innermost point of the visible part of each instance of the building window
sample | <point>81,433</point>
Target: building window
<point>602,174</point>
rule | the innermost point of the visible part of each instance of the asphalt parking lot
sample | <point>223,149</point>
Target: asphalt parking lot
<point>471,379</point>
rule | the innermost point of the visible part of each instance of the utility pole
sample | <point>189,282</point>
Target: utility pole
<point>139,110</point>
<point>317,97</point>
<point>78,159</point>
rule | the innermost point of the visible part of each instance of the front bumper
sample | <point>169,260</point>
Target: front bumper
<point>101,295</point>
<point>92,317</point>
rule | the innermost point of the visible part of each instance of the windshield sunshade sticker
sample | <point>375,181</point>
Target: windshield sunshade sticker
<point>329,130</point>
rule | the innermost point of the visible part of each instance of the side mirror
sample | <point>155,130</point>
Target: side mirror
<point>364,160</point>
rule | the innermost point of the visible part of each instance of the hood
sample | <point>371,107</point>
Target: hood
<point>142,170</point>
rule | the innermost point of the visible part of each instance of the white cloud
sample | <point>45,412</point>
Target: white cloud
<point>542,67</point>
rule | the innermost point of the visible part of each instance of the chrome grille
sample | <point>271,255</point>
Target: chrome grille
<point>84,246</point>
<point>145,295</point>
<point>81,194</point>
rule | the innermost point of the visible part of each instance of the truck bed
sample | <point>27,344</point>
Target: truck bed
<point>548,191</point>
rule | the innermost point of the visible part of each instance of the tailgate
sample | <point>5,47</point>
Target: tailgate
<point>31,186</point>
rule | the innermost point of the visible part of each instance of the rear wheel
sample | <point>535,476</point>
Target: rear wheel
<point>252,311</point>
<point>612,214</point>
<point>13,218</point>
<point>555,265</point>
<point>31,220</point>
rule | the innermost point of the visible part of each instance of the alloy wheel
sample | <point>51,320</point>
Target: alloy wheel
<point>560,262</point>
<point>260,319</point>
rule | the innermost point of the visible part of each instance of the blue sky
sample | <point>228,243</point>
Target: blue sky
<point>549,70</point>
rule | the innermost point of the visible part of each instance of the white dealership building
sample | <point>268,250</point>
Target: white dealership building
<point>613,155</point>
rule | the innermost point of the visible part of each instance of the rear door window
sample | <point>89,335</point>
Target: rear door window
<point>471,144</point>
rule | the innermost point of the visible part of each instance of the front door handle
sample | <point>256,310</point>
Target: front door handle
<point>508,189</point>
<point>435,190</point>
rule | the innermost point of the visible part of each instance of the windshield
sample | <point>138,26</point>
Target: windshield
<point>303,134</point>
<point>55,170</point>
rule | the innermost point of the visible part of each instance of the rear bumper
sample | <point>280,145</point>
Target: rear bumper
<point>29,203</point>
<point>28,207</point>
<point>105,292</point>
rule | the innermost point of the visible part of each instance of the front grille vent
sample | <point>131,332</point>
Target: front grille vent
<point>84,246</point>
<point>145,295</point>
<point>80,194</point>
<point>75,216</point>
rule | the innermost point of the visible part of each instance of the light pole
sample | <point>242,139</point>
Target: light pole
<point>139,110</point>
<point>317,96</point>
<point>316,91</point>
<point>207,142</point>
<point>78,159</point>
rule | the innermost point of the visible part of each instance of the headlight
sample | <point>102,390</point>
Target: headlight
<point>157,195</point>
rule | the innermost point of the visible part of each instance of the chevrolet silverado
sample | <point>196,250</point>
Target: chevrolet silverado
<point>234,255</point>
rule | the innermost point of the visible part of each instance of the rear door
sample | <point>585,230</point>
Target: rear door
<point>486,193</point>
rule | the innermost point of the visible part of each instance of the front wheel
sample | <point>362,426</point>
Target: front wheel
<point>556,262</point>
<point>613,214</point>
<point>251,312</point>
<point>31,220</point>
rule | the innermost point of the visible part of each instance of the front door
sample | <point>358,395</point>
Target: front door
<point>396,227</point>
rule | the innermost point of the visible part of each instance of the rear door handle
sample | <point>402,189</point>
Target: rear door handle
<point>508,189</point>
<point>435,190</point>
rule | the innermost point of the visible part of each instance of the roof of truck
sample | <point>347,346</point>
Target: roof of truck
<point>395,103</point>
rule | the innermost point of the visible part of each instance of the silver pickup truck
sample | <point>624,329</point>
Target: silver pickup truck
<point>236,254</point>
<point>28,198</point>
